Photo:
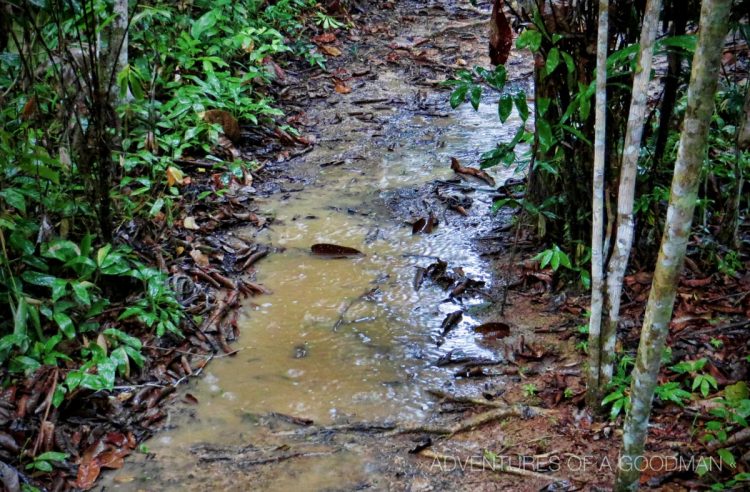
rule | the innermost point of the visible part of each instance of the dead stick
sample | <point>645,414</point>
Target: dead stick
<point>468,424</point>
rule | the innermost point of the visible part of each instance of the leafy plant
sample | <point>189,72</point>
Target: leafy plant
<point>703,382</point>
<point>529,390</point>
<point>45,461</point>
<point>619,397</point>
<point>326,21</point>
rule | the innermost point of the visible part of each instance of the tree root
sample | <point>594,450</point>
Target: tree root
<point>494,467</point>
<point>505,411</point>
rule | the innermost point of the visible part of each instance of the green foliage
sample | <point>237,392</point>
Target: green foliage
<point>45,461</point>
<point>731,415</point>
<point>470,85</point>
<point>529,390</point>
<point>60,279</point>
<point>701,381</point>
<point>619,396</point>
<point>554,257</point>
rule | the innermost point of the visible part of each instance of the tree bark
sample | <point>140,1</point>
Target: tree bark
<point>626,193</point>
<point>116,57</point>
<point>743,138</point>
<point>685,183</point>
<point>594,389</point>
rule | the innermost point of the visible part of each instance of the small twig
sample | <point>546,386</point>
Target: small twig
<point>363,296</point>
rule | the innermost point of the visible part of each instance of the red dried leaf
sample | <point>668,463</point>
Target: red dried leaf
<point>477,173</point>
<point>501,35</point>
<point>494,329</point>
<point>334,251</point>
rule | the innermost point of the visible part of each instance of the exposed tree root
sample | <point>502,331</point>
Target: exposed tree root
<point>494,467</point>
<point>505,411</point>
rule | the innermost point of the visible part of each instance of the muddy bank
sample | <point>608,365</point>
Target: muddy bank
<point>351,364</point>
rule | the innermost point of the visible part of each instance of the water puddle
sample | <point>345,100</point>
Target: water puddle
<point>345,340</point>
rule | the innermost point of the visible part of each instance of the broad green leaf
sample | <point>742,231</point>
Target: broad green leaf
<point>59,288</point>
<point>458,96</point>
<point>727,457</point>
<point>65,324</point>
<point>123,337</point>
<point>156,207</point>
<point>20,317</point>
<point>475,96</point>
<point>544,133</point>
<point>522,105</point>
<point>505,107</point>
<point>37,278</point>
<point>555,261</point>
<point>62,250</point>
<point>530,39</point>
<point>569,62</point>
<point>52,456</point>
<point>80,290</point>
<point>553,60</point>
<point>204,23</point>
<point>14,198</point>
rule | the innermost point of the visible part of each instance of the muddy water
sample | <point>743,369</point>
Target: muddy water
<point>345,340</point>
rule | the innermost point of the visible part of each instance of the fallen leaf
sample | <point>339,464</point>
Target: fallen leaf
<point>451,320</point>
<point>493,329</point>
<point>425,225</point>
<point>174,176</point>
<point>334,251</point>
<point>229,124</point>
<point>328,37</point>
<point>330,50</point>
<point>189,223</point>
<point>342,88</point>
<point>696,282</point>
<point>199,258</point>
<point>501,35</point>
<point>88,472</point>
<point>477,173</point>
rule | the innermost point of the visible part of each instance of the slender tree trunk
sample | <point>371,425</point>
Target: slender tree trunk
<point>116,57</point>
<point>743,138</point>
<point>594,393</point>
<point>691,154</point>
<point>626,193</point>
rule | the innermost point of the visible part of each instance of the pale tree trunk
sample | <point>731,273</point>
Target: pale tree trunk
<point>116,57</point>
<point>594,393</point>
<point>618,262</point>
<point>690,157</point>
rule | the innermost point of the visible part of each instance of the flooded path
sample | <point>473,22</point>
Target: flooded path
<point>350,340</point>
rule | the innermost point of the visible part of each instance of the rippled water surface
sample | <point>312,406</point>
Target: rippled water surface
<point>319,347</point>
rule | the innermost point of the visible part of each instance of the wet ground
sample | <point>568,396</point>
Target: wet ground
<point>360,341</point>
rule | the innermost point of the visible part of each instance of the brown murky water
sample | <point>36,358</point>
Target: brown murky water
<point>316,348</point>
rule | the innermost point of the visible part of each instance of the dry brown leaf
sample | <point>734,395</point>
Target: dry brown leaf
<point>342,88</point>
<point>334,251</point>
<point>175,176</point>
<point>328,37</point>
<point>330,50</point>
<point>477,173</point>
<point>199,258</point>
<point>229,124</point>
<point>189,223</point>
